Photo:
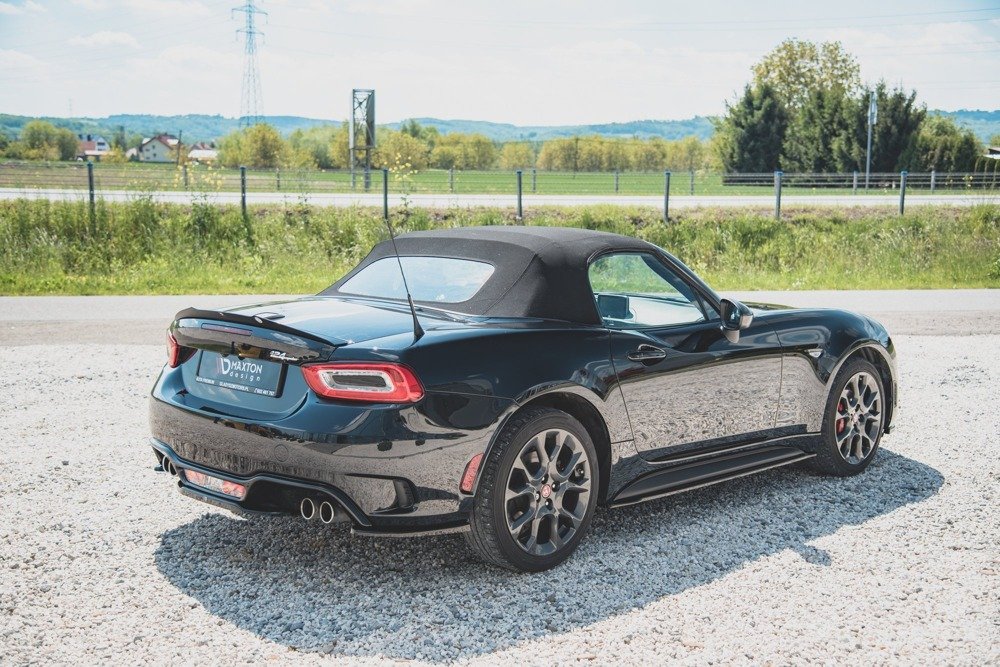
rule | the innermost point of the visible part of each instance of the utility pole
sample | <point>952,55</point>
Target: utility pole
<point>180,135</point>
<point>250,101</point>
<point>872,119</point>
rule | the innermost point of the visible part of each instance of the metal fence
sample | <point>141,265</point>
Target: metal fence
<point>199,178</point>
<point>184,183</point>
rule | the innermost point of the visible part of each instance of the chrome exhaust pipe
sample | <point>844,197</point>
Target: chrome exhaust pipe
<point>307,508</point>
<point>327,512</point>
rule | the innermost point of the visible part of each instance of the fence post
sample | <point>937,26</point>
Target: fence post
<point>277,178</point>
<point>451,179</point>
<point>90,187</point>
<point>933,179</point>
<point>666,196</point>
<point>616,181</point>
<point>534,180</point>
<point>692,182</point>
<point>520,208</point>
<point>243,191</point>
<point>385,193</point>
<point>854,189</point>
<point>777,194</point>
<point>184,169</point>
<point>902,191</point>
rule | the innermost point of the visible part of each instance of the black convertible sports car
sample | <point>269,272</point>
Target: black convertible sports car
<point>539,372</point>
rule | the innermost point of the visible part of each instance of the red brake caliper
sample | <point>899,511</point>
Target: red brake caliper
<point>841,409</point>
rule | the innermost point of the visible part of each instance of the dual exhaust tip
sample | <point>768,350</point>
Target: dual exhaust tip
<point>168,466</point>
<point>309,509</point>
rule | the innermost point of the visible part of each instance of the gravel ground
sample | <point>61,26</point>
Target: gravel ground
<point>101,561</point>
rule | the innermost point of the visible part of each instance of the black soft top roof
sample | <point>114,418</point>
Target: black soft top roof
<point>538,271</point>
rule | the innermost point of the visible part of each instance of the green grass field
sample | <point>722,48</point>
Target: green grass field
<point>149,177</point>
<point>144,247</point>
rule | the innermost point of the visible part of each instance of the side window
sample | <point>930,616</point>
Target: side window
<point>635,290</point>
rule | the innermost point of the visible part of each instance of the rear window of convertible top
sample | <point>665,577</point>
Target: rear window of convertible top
<point>431,279</point>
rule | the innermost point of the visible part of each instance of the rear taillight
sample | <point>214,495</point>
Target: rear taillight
<point>369,382</point>
<point>176,354</point>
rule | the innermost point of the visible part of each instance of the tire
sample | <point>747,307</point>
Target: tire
<point>516,487</point>
<point>852,428</point>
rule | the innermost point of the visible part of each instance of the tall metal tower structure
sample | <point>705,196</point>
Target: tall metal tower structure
<point>361,132</point>
<point>250,101</point>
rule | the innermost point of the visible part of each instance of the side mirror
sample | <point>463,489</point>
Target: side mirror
<point>735,318</point>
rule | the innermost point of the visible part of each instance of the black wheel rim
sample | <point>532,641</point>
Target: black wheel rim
<point>548,492</point>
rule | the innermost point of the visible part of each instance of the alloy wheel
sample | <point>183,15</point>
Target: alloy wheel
<point>547,492</point>
<point>859,418</point>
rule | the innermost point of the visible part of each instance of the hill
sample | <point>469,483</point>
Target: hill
<point>205,127</point>
<point>699,126</point>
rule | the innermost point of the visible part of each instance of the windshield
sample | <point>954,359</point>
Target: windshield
<point>431,279</point>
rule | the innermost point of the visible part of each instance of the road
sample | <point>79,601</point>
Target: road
<point>143,319</point>
<point>509,200</point>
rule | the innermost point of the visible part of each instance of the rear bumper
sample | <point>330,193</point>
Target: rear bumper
<point>266,502</point>
<point>392,469</point>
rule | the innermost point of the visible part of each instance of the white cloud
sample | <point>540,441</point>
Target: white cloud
<point>168,7</point>
<point>94,5</point>
<point>105,38</point>
<point>10,9</point>
<point>19,63</point>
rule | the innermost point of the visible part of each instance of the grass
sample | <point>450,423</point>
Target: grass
<point>144,247</point>
<point>147,177</point>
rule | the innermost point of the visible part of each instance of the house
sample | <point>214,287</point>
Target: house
<point>992,152</point>
<point>161,148</point>
<point>204,153</point>
<point>91,147</point>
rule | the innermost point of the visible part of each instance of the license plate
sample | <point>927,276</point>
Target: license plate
<point>253,376</point>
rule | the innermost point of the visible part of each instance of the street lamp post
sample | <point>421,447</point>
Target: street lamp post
<point>872,119</point>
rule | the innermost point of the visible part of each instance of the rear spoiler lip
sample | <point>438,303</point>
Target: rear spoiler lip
<point>253,321</point>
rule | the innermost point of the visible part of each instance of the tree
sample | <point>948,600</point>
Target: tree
<point>687,154</point>
<point>797,68</point>
<point>754,130</point>
<point>649,155</point>
<point>41,140</point>
<point>464,151</point>
<point>943,146</point>
<point>400,148</point>
<point>559,154</point>
<point>894,137</point>
<point>517,155</point>
<point>258,147</point>
<point>812,133</point>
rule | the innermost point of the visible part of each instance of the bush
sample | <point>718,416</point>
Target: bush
<point>142,246</point>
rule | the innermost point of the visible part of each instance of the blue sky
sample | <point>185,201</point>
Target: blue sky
<point>539,62</point>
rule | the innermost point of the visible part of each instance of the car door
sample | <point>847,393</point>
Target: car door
<point>686,385</point>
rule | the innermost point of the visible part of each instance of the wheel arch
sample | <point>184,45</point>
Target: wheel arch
<point>581,409</point>
<point>878,356</point>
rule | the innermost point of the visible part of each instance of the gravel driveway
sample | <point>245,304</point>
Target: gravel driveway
<point>101,561</point>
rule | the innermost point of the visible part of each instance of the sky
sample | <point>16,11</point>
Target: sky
<point>537,62</point>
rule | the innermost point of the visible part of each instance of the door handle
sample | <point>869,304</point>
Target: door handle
<point>646,353</point>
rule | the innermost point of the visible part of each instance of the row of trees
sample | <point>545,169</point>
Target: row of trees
<point>422,148</point>
<point>40,140</point>
<point>806,111</point>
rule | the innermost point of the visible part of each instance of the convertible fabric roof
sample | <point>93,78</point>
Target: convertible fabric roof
<point>538,271</point>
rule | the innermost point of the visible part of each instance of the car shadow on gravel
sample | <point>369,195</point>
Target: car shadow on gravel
<point>314,588</point>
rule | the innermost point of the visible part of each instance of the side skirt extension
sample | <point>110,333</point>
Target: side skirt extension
<point>676,479</point>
